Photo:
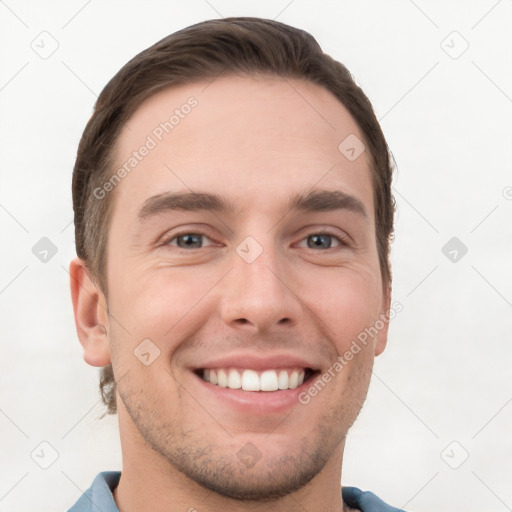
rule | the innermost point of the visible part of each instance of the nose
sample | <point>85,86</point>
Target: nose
<point>260,295</point>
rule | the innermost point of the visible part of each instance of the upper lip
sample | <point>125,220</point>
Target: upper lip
<point>254,362</point>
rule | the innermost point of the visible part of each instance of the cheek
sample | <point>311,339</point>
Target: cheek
<point>153,314</point>
<point>347,303</point>
<point>156,302</point>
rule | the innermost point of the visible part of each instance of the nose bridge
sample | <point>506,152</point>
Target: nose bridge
<point>259,268</point>
<point>258,292</point>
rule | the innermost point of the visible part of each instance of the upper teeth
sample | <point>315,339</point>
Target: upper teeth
<point>251,380</point>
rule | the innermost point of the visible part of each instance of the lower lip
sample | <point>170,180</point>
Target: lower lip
<point>254,402</point>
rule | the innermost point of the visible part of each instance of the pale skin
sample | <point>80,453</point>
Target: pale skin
<point>255,142</point>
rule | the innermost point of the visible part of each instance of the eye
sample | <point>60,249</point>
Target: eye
<point>188,240</point>
<point>323,241</point>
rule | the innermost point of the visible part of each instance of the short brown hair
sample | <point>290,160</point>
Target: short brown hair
<point>241,46</point>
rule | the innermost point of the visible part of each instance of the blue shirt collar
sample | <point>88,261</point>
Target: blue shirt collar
<point>99,497</point>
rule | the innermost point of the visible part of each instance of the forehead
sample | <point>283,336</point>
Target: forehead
<point>242,137</point>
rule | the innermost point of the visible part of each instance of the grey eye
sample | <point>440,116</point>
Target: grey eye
<point>190,240</point>
<point>324,241</point>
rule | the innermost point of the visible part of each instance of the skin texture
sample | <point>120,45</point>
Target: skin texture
<point>255,142</point>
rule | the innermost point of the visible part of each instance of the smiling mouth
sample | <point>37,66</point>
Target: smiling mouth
<point>253,380</point>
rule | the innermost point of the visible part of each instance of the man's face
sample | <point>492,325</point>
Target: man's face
<point>262,286</point>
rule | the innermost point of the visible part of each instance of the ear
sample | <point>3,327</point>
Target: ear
<point>91,318</point>
<point>382,336</point>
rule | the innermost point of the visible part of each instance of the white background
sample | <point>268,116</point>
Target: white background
<point>446,374</point>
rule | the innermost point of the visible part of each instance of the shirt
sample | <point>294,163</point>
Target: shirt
<point>99,498</point>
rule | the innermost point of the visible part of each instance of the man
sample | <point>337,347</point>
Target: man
<point>233,214</point>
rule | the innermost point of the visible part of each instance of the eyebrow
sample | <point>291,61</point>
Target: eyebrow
<point>327,200</point>
<point>314,201</point>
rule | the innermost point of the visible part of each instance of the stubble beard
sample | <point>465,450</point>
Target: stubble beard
<point>218,469</point>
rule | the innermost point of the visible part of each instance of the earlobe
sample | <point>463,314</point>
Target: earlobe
<point>91,319</point>
<point>382,336</point>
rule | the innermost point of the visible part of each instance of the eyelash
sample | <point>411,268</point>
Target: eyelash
<point>343,242</point>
